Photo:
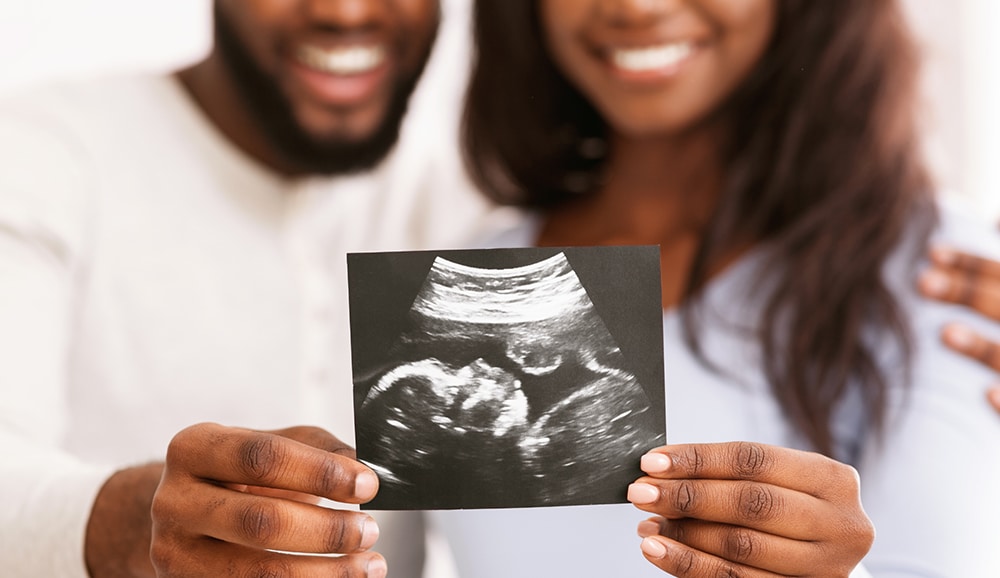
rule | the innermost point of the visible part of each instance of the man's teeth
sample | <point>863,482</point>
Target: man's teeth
<point>651,57</point>
<point>347,60</point>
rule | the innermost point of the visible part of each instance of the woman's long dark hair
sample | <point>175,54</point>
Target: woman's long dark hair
<point>822,165</point>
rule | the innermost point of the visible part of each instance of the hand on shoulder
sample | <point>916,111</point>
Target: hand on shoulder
<point>973,281</point>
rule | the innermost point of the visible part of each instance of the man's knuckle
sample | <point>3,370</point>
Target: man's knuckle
<point>268,568</point>
<point>330,477</point>
<point>163,556</point>
<point>757,503</point>
<point>257,457</point>
<point>991,354</point>
<point>336,537</point>
<point>751,460</point>
<point>259,522</point>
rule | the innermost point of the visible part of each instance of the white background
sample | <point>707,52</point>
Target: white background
<point>46,40</point>
<point>42,40</point>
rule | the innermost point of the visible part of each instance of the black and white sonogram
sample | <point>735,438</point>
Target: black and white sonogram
<point>506,377</point>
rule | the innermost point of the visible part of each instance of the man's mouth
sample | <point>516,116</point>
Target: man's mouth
<point>342,60</point>
<point>650,58</point>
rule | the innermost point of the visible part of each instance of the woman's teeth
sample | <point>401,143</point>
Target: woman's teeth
<point>650,57</point>
<point>346,60</point>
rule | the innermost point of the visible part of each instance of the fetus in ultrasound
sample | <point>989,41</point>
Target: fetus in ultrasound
<point>505,389</point>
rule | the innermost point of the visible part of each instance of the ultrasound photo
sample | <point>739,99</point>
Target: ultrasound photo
<point>506,378</point>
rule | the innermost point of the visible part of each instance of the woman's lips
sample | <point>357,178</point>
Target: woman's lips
<point>650,61</point>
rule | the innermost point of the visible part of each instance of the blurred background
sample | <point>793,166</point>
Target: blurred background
<point>46,40</point>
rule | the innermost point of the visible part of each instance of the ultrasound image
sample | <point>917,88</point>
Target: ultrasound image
<point>505,388</point>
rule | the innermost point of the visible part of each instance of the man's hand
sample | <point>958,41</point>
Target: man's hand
<point>746,509</point>
<point>236,502</point>
<point>957,277</point>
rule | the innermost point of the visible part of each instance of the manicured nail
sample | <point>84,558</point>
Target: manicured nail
<point>369,534</point>
<point>648,528</point>
<point>376,568</point>
<point>653,548</point>
<point>643,494</point>
<point>365,485</point>
<point>935,283</point>
<point>959,337</point>
<point>944,255</point>
<point>654,463</point>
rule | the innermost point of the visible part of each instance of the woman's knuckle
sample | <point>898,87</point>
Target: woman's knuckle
<point>676,530</point>
<point>685,562</point>
<point>726,570</point>
<point>756,503</point>
<point>742,545</point>
<point>751,460</point>
<point>685,497</point>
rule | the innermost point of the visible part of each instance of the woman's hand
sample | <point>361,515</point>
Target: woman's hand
<point>232,500</point>
<point>750,510</point>
<point>957,277</point>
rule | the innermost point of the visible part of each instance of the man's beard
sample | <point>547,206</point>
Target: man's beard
<point>272,112</point>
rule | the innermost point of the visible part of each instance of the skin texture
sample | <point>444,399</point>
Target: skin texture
<point>256,74</point>
<point>972,281</point>
<point>728,38</point>
<point>731,509</point>
<point>664,166</point>
<point>750,510</point>
<point>226,495</point>
<point>223,495</point>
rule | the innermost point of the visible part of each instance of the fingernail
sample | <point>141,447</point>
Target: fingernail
<point>655,463</point>
<point>934,282</point>
<point>648,528</point>
<point>653,548</point>
<point>365,485</point>
<point>995,397</point>
<point>944,255</point>
<point>369,534</point>
<point>642,494</point>
<point>376,568</point>
<point>959,337</point>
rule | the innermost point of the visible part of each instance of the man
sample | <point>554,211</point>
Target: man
<point>172,253</point>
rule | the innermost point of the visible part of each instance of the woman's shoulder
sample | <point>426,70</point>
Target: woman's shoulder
<point>963,225</point>
<point>938,372</point>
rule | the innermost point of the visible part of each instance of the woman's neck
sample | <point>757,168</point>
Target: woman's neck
<point>657,192</point>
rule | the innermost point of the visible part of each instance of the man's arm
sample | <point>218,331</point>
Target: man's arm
<point>44,204</point>
<point>120,527</point>
<point>972,281</point>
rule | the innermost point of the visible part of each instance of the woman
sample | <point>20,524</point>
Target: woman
<point>768,147</point>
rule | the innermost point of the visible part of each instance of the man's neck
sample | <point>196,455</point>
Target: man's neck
<point>212,88</point>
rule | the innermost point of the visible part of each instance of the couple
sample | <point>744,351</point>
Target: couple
<point>175,257</point>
